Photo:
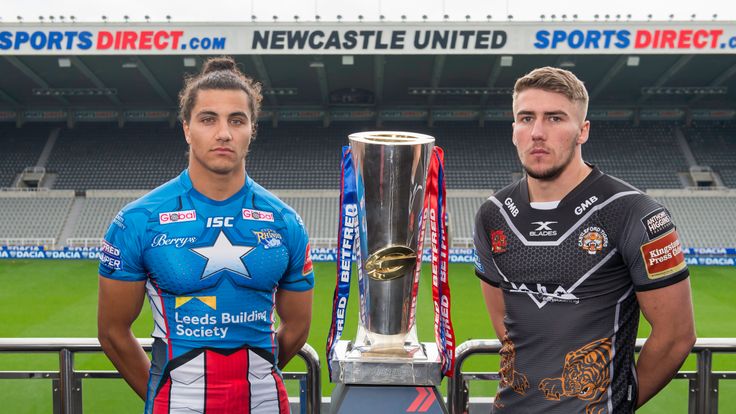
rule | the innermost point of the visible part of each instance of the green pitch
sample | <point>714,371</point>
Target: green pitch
<point>59,299</point>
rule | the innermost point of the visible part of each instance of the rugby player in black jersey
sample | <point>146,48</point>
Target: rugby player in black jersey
<point>567,257</point>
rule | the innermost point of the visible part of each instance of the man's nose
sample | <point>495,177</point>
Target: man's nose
<point>223,132</point>
<point>538,129</point>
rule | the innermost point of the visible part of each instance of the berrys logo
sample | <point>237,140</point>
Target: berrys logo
<point>177,216</point>
<point>257,215</point>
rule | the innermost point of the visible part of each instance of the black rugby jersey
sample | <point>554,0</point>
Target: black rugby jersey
<point>569,277</point>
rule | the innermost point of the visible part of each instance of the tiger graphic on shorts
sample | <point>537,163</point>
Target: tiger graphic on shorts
<point>586,375</point>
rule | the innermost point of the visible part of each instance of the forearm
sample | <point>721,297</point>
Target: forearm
<point>129,358</point>
<point>659,360</point>
<point>291,339</point>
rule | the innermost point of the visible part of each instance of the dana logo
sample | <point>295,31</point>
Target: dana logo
<point>544,229</point>
<point>593,240</point>
<point>544,293</point>
<point>257,215</point>
<point>177,216</point>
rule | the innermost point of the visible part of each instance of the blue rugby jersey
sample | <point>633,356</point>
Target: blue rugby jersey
<point>212,268</point>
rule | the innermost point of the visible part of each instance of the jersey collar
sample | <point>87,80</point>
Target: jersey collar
<point>186,182</point>
<point>592,176</point>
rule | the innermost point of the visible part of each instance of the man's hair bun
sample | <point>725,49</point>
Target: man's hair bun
<point>218,64</point>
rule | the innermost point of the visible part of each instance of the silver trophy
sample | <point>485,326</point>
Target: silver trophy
<point>391,171</point>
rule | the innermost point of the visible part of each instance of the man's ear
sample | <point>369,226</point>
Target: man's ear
<point>185,128</point>
<point>584,132</point>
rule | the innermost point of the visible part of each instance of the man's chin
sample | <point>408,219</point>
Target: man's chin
<point>546,174</point>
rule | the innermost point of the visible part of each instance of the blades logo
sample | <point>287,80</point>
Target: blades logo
<point>544,229</point>
<point>592,240</point>
<point>498,242</point>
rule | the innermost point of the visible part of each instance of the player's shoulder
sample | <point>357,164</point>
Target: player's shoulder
<point>498,198</point>
<point>280,209</point>
<point>491,209</point>
<point>163,198</point>
<point>613,188</point>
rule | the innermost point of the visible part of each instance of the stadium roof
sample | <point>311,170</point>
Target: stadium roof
<point>70,76</point>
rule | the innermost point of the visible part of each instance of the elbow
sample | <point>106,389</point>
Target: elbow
<point>685,341</point>
<point>104,338</point>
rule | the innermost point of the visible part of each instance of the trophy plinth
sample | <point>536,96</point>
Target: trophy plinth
<point>351,366</point>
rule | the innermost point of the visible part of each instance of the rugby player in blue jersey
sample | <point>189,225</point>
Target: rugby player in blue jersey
<point>219,258</point>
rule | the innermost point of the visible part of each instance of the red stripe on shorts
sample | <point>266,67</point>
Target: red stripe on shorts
<point>227,389</point>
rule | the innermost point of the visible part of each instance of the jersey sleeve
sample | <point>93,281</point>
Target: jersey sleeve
<point>651,248</point>
<point>299,275</point>
<point>121,251</point>
<point>485,269</point>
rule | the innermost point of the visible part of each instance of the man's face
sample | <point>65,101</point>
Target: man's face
<point>548,129</point>
<point>219,130</point>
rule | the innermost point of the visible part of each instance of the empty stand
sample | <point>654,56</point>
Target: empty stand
<point>20,148</point>
<point>141,156</point>
<point>703,221</point>
<point>645,156</point>
<point>714,144</point>
<point>97,214</point>
<point>34,214</point>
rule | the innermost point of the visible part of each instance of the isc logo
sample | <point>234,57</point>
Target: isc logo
<point>219,222</point>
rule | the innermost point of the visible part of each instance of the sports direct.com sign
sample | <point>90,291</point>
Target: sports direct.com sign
<point>370,38</point>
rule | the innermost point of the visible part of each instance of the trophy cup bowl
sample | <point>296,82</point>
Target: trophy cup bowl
<point>391,170</point>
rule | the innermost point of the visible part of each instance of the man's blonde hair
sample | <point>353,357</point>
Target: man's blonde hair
<point>555,80</point>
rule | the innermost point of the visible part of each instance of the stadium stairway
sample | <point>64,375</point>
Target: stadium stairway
<point>72,220</point>
<point>48,147</point>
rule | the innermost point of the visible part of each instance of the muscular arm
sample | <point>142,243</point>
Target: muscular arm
<point>670,312</point>
<point>119,304</point>
<point>295,314</point>
<point>496,309</point>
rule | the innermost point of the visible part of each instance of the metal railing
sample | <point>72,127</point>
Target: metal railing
<point>703,383</point>
<point>45,242</point>
<point>84,242</point>
<point>67,382</point>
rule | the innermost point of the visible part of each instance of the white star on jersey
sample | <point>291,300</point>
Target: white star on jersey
<point>223,255</point>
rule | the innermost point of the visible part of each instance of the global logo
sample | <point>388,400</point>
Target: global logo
<point>177,216</point>
<point>257,215</point>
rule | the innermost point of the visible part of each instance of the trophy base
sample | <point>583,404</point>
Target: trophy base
<point>371,399</point>
<point>392,366</point>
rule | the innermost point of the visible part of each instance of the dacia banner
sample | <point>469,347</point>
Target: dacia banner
<point>426,38</point>
<point>693,256</point>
